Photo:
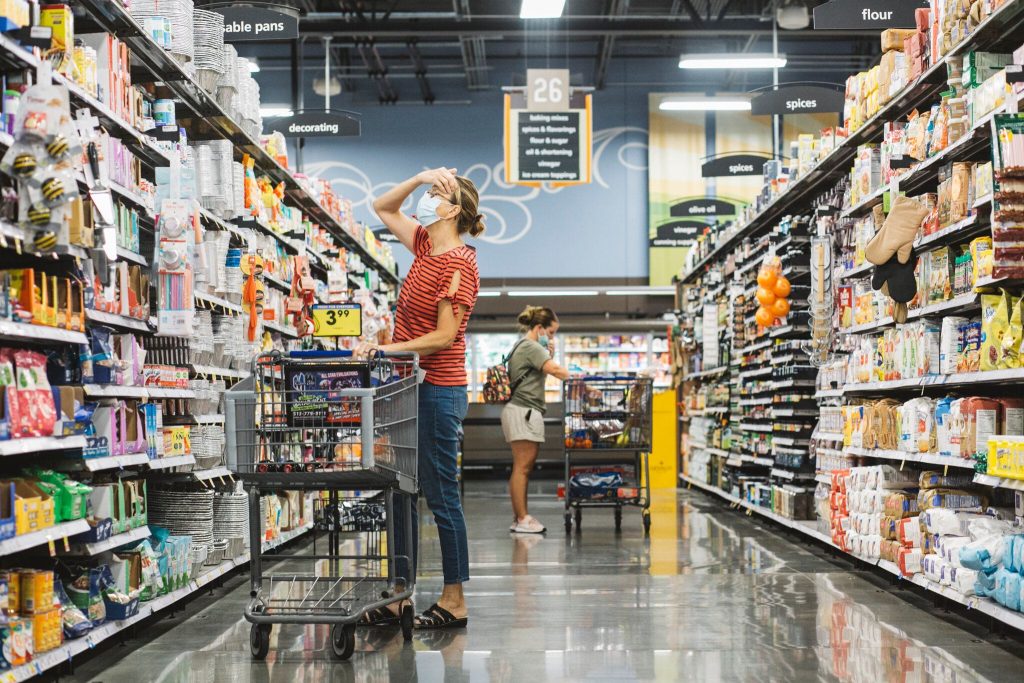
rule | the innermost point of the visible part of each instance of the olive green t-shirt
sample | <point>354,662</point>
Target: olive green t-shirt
<point>526,362</point>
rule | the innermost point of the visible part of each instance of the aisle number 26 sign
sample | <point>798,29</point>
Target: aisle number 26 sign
<point>337,320</point>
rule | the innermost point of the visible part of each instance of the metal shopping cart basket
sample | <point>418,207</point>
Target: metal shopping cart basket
<point>608,427</point>
<point>323,421</point>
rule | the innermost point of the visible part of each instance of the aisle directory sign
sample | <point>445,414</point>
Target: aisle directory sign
<point>867,14</point>
<point>548,132</point>
<point>243,23</point>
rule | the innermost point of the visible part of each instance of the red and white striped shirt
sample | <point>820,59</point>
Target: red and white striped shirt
<point>427,284</point>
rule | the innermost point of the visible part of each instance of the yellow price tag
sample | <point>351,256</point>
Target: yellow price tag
<point>50,546</point>
<point>337,320</point>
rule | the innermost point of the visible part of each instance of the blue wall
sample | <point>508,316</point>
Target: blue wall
<point>576,232</point>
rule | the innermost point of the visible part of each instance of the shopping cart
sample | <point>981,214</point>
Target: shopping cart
<point>608,424</point>
<point>324,421</point>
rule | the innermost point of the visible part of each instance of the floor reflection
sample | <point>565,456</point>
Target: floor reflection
<point>716,596</point>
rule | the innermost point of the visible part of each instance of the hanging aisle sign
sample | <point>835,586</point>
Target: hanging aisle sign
<point>244,23</point>
<point>313,124</point>
<point>867,14</point>
<point>548,132</point>
<point>734,165</point>
<point>702,207</point>
<point>681,233</point>
<point>797,99</point>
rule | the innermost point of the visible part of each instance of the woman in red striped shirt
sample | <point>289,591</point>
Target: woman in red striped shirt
<point>434,306</point>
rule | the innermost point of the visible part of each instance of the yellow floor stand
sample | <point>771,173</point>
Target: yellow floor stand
<point>664,455</point>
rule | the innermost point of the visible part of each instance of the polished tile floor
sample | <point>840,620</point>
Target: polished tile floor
<point>713,595</point>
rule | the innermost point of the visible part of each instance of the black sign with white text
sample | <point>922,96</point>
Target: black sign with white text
<point>312,124</point>
<point>867,14</point>
<point>734,165</point>
<point>702,207</point>
<point>244,23</point>
<point>797,99</point>
<point>548,148</point>
<point>678,233</point>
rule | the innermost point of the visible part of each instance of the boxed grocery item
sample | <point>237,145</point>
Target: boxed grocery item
<point>35,591</point>
<point>33,508</point>
<point>893,38</point>
<point>62,22</point>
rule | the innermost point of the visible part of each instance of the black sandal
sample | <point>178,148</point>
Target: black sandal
<point>438,617</point>
<point>379,617</point>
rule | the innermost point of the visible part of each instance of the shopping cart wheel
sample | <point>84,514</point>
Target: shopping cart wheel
<point>579,519</point>
<point>343,641</point>
<point>568,522</point>
<point>618,518</point>
<point>259,641</point>
<point>407,617</point>
<point>647,522</point>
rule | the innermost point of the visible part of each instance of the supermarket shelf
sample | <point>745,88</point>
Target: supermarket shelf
<point>793,412</point>
<point>161,392</point>
<point>127,255</point>
<point>286,330</point>
<point>706,373</point>
<point>114,391</point>
<point>761,372</point>
<point>828,436</point>
<point>790,383</point>
<point>983,201</point>
<point>54,658</point>
<point>964,302</point>
<point>957,379</point>
<point>213,300</point>
<point>39,333</point>
<point>902,456</point>
<point>755,401</point>
<point>829,393</point>
<point>277,283</point>
<point>57,532</point>
<point>748,427</point>
<point>961,230</point>
<point>41,443</point>
<point>999,482</point>
<point>862,270</point>
<point>211,419</point>
<point>213,371</point>
<point>809,528</point>
<point>120,322</point>
<point>167,463</point>
<point>753,348</point>
<point>823,478</point>
<point>115,541</point>
<point>869,326</point>
<point>606,349</point>
<point>113,462</point>
<point>286,536</point>
<point>866,204</point>
<point>24,236</point>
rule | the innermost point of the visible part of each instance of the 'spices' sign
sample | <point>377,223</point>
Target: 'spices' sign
<point>733,165</point>
<point>867,14</point>
<point>243,23</point>
<point>797,99</point>
<point>312,124</point>
<point>548,147</point>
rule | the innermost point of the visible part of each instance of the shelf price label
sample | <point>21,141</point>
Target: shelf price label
<point>337,320</point>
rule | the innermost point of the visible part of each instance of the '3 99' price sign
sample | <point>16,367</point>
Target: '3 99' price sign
<point>337,320</point>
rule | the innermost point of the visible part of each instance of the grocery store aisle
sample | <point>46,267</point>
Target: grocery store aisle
<point>712,596</point>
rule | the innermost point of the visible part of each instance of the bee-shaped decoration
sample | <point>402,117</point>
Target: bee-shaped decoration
<point>24,165</point>
<point>59,147</point>
<point>39,215</point>
<point>53,190</point>
<point>45,241</point>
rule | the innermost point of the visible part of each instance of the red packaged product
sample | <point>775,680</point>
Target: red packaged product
<point>37,413</point>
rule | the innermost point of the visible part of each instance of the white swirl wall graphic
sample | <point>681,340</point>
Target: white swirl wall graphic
<point>505,207</point>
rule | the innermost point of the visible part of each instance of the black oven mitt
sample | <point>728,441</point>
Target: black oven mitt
<point>898,278</point>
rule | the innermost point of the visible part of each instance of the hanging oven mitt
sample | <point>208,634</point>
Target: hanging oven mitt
<point>898,232</point>
<point>896,279</point>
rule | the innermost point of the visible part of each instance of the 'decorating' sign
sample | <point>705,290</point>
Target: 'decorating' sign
<point>734,165</point>
<point>797,99</point>
<point>867,14</point>
<point>702,207</point>
<point>313,124</point>
<point>244,23</point>
<point>678,233</point>
<point>337,320</point>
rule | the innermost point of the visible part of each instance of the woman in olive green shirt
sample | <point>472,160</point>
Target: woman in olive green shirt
<point>522,419</point>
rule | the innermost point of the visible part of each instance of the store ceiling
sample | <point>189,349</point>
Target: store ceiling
<point>421,50</point>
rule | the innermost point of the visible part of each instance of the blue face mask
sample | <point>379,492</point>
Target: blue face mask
<point>543,340</point>
<point>426,209</point>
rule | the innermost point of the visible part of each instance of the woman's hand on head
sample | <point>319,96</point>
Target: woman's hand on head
<point>441,178</point>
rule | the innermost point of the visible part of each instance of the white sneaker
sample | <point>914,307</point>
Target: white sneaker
<point>528,525</point>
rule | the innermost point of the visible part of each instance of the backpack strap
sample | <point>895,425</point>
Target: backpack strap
<point>505,361</point>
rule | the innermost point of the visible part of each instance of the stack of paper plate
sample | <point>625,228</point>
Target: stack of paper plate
<point>179,13</point>
<point>184,513</point>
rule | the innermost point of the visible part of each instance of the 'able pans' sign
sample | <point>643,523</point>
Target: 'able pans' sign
<point>246,23</point>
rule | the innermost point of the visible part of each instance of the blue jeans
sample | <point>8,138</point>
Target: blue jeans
<point>441,411</point>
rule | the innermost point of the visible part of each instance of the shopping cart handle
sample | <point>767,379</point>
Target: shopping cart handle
<point>345,353</point>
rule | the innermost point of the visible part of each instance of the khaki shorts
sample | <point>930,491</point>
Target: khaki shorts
<point>522,424</point>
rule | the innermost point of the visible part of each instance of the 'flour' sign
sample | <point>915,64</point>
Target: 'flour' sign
<point>313,124</point>
<point>797,99</point>
<point>867,14</point>
<point>244,23</point>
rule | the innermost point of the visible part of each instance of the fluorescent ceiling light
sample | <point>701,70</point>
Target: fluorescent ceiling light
<point>541,9</point>
<point>706,104</point>
<point>643,291</point>
<point>487,293</point>
<point>270,112</point>
<point>735,61</point>
<point>553,292</point>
